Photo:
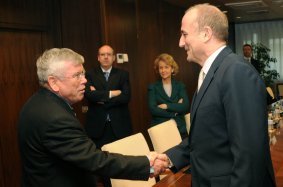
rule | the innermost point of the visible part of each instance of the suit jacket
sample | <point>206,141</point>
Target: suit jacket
<point>256,64</point>
<point>56,151</point>
<point>176,111</point>
<point>228,143</point>
<point>100,104</point>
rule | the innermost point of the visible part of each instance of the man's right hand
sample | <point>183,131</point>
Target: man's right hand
<point>160,164</point>
<point>115,93</point>
<point>92,88</point>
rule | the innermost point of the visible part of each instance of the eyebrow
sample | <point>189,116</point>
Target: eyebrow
<point>183,32</point>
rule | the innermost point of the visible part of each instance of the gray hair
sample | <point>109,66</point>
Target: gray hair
<point>52,61</point>
<point>209,15</point>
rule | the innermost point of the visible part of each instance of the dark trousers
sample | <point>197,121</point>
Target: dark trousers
<point>107,137</point>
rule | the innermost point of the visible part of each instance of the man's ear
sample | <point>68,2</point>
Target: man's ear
<point>53,83</point>
<point>207,33</point>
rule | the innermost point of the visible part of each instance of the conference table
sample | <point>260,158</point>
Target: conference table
<point>179,179</point>
<point>183,178</point>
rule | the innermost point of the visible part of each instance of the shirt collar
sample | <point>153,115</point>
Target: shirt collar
<point>247,58</point>
<point>65,100</point>
<point>104,71</point>
<point>211,58</point>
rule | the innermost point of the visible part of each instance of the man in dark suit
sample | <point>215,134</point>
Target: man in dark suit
<point>248,56</point>
<point>108,117</point>
<point>228,143</point>
<point>54,148</point>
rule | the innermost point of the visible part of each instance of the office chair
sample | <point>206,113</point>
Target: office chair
<point>164,135</point>
<point>131,145</point>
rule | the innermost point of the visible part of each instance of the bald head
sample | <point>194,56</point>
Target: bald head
<point>211,16</point>
<point>106,57</point>
<point>204,29</point>
<point>105,48</point>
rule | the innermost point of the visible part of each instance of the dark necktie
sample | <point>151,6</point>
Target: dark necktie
<point>106,75</point>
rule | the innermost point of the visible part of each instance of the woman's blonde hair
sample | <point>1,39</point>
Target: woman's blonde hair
<point>169,60</point>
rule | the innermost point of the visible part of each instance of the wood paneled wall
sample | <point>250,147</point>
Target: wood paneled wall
<point>81,31</point>
<point>142,29</point>
<point>26,29</point>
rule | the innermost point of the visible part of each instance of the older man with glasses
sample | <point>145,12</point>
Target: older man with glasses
<point>54,148</point>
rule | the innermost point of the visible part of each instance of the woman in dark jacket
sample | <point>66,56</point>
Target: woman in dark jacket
<point>167,98</point>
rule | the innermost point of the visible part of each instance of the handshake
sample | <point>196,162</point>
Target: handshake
<point>158,163</point>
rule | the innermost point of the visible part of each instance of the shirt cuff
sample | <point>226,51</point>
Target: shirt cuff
<point>151,171</point>
<point>170,165</point>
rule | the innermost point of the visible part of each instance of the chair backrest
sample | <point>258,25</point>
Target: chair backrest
<point>279,90</point>
<point>164,135</point>
<point>188,122</point>
<point>131,145</point>
<point>270,92</point>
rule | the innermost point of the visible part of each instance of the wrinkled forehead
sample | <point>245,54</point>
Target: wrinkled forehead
<point>247,47</point>
<point>72,66</point>
<point>105,49</point>
<point>189,21</point>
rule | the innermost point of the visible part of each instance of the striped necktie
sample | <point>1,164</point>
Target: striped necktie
<point>106,75</point>
<point>200,78</point>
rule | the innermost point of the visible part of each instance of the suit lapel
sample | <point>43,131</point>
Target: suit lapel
<point>100,75</point>
<point>161,89</point>
<point>174,89</point>
<point>112,72</point>
<point>100,78</point>
<point>112,75</point>
<point>208,78</point>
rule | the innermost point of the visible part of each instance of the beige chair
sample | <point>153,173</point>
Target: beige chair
<point>164,135</point>
<point>131,145</point>
<point>270,92</point>
<point>279,87</point>
<point>188,122</point>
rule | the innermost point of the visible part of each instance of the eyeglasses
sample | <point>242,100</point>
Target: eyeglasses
<point>78,76</point>
<point>105,54</point>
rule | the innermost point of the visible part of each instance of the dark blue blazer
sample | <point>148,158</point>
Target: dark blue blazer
<point>228,143</point>
<point>176,111</point>
<point>100,104</point>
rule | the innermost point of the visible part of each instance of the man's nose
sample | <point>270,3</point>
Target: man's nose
<point>84,80</point>
<point>181,41</point>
